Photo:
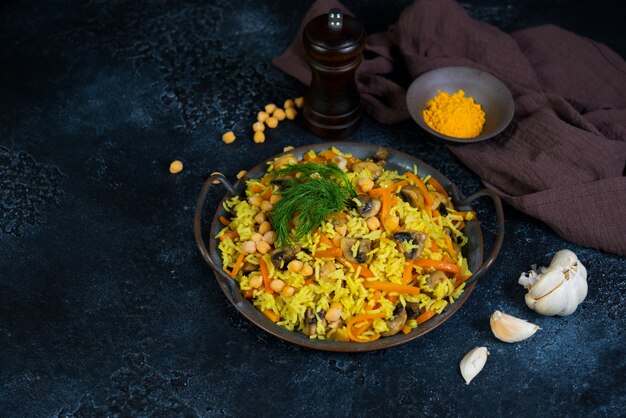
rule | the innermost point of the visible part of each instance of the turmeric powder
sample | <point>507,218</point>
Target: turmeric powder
<point>454,115</point>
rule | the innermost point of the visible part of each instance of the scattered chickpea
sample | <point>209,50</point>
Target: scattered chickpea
<point>307,270</point>
<point>287,149</point>
<point>271,122</point>
<point>258,127</point>
<point>277,285</point>
<point>259,137</point>
<point>260,218</point>
<point>288,103</point>
<point>241,174</point>
<point>229,137</point>
<point>275,199</point>
<point>295,266</point>
<point>373,223</point>
<point>288,291</point>
<point>291,113</point>
<point>270,108</point>
<point>262,116</point>
<point>256,281</point>
<point>333,313</point>
<point>256,237</point>
<point>299,102</point>
<point>256,201</point>
<point>279,114</point>
<point>342,229</point>
<point>263,247</point>
<point>366,184</point>
<point>265,226</point>
<point>266,206</point>
<point>270,237</point>
<point>248,247</point>
<point>176,167</point>
<point>391,223</point>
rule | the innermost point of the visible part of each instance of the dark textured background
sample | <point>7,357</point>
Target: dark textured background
<point>107,309</point>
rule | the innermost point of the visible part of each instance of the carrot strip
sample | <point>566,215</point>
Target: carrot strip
<point>425,316</point>
<point>406,273</point>
<point>420,185</point>
<point>406,329</point>
<point>365,272</point>
<point>238,265</point>
<point>462,279</point>
<point>256,188</point>
<point>397,185</point>
<point>325,240</point>
<point>273,316</point>
<point>328,155</point>
<point>433,246</point>
<point>438,187</point>
<point>229,235</point>
<point>360,318</point>
<point>436,213</point>
<point>392,287</point>
<point>437,265</point>
<point>392,298</point>
<point>385,205</point>
<point>449,245</point>
<point>309,281</point>
<point>267,194</point>
<point>224,221</point>
<point>266,276</point>
<point>329,253</point>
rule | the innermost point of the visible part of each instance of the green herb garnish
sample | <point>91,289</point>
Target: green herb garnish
<point>319,191</point>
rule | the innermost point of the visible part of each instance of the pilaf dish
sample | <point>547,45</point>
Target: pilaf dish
<point>339,248</point>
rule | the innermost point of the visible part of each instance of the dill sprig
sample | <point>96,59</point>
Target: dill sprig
<point>320,190</point>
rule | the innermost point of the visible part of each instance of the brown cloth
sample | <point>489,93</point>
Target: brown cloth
<point>562,159</point>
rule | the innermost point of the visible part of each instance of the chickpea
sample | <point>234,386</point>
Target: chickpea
<point>270,237</point>
<point>263,247</point>
<point>265,226</point>
<point>295,266</point>
<point>288,291</point>
<point>288,148</point>
<point>270,108</point>
<point>242,173</point>
<point>266,206</point>
<point>279,114</point>
<point>291,113</point>
<point>277,285</point>
<point>256,237</point>
<point>248,247</point>
<point>366,184</point>
<point>229,137</point>
<point>176,167</point>
<point>288,103</point>
<point>256,281</point>
<point>256,201</point>
<point>275,199</point>
<point>258,127</point>
<point>373,223</point>
<point>259,137</point>
<point>271,122</point>
<point>392,223</point>
<point>307,270</point>
<point>299,101</point>
<point>262,116</point>
<point>333,314</point>
<point>260,218</point>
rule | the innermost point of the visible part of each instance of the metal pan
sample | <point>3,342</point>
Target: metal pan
<point>473,251</point>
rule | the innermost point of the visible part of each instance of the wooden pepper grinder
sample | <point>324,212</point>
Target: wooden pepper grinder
<point>334,49</point>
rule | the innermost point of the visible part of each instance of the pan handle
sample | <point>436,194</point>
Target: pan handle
<point>197,230</point>
<point>499,237</point>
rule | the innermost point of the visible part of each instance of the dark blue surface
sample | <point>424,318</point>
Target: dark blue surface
<point>106,307</point>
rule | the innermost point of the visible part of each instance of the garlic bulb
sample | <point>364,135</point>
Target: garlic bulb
<point>510,329</point>
<point>559,288</point>
<point>473,363</point>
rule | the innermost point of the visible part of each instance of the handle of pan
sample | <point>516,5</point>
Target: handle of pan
<point>499,237</point>
<point>197,231</point>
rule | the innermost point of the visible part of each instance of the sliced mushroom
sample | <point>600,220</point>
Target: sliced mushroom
<point>248,267</point>
<point>327,269</point>
<point>412,196</point>
<point>381,154</point>
<point>281,182</point>
<point>365,246</point>
<point>374,169</point>
<point>282,256</point>
<point>413,310</point>
<point>396,322</point>
<point>413,238</point>
<point>438,199</point>
<point>435,278</point>
<point>369,207</point>
<point>310,322</point>
<point>455,245</point>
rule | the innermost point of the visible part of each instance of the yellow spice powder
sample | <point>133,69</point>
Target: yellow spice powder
<point>455,115</point>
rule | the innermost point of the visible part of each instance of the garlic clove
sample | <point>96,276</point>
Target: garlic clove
<point>564,258</point>
<point>472,363</point>
<point>510,329</point>
<point>547,282</point>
